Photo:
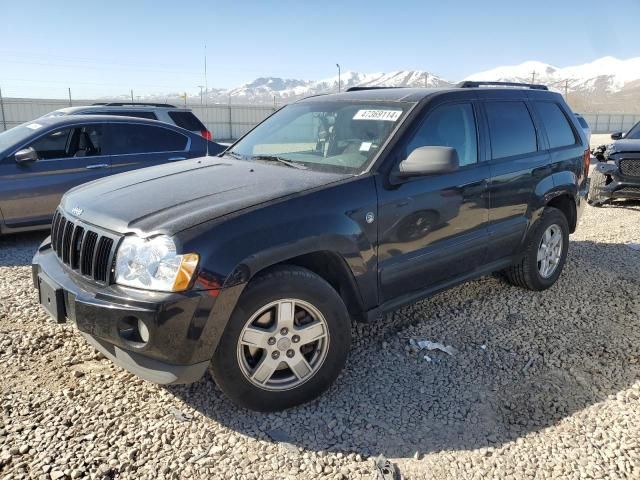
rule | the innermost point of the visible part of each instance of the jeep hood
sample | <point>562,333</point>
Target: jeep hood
<point>172,197</point>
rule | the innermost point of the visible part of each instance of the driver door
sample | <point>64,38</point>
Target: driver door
<point>67,157</point>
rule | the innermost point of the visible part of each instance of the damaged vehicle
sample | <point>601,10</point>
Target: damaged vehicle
<point>617,173</point>
<point>336,208</point>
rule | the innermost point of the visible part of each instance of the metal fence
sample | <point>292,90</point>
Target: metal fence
<point>611,122</point>
<point>229,121</point>
<point>225,121</point>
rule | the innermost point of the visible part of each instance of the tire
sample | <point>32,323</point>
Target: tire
<point>598,182</point>
<point>265,306</point>
<point>526,273</point>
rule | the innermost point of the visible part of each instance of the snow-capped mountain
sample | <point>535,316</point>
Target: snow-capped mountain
<point>608,83</point>
<point>604,75</point>
<point>265,89</point>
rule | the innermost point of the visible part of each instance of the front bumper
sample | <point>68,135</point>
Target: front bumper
<point>178,349</point>
<point>620,186</point>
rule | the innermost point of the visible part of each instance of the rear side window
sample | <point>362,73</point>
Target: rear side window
<point>120,113</point>
<point>130,138</point>
<point>449,126</point>
<point>511,129</point>
<point>187,120</point>
<point>559,132</point>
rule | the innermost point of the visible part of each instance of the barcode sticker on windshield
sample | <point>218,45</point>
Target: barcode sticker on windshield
<point>34,126</point>
<point>385,115</point>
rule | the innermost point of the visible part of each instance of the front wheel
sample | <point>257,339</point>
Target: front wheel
<point>286,342</point>
<point>544,255</point>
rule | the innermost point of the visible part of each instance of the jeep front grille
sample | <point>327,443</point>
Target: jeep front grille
<point>630,167</point>
<point>83,248</point>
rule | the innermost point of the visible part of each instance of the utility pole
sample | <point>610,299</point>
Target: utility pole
<point>132,95</point>
<point>426,79</point>
<point>4,119</point>
<point>533,77</point>
<point>201,87</point>
<point>566,89</point>
<point>70,96</point>
<point>338,65</point>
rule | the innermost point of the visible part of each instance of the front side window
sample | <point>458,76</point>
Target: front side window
<point>559,132</point>
<point>53,145</point>
<point>128,138</point>
<point>511,129</point>
<point>323,136</point>
<point>449,126</point>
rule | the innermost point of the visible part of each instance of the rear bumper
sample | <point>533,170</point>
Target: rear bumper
<point>178,348</point>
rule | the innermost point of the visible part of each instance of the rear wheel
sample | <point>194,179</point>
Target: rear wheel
<point>286,342</point>
<point>598,182</point>
<point>545,253</point>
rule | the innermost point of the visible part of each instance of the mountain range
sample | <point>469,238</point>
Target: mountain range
<point>606,84</point>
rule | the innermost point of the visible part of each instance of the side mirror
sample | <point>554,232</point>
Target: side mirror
<point>429,161</point>
<point>26,155</point>
<point>617,135</point>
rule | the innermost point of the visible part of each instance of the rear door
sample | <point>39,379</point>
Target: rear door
<point>520,167</point>
<point>133,145</point>
<point>67,157</point>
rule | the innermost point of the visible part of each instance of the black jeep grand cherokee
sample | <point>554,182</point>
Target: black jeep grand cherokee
<point>336,207</point>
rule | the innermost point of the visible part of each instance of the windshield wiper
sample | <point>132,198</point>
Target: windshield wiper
<point>235,155</point>
<point>284,161</point>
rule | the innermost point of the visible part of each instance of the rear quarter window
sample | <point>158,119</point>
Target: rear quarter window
<point>187,120</point>
<point>559,132</point>
<point>511,129</point>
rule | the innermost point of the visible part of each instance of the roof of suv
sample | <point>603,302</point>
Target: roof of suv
<point>72,110</point>
<point>74,119</point>
<point>413,95</point>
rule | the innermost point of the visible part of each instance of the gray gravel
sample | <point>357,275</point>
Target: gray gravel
<point>542,385</point>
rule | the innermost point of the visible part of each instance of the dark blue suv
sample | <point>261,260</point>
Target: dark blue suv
<point>41,160</point>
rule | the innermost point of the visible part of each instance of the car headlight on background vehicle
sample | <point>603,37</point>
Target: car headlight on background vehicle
<point>153,264</point>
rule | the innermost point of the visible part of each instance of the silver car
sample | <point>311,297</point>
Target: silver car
<point>180,117</point>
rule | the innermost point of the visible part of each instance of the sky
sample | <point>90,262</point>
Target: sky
<point>108,48</point>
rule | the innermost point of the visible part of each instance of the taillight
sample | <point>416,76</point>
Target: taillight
<point>587,162</point>
<point>206,134</point>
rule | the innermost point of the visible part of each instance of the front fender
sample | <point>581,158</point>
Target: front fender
<point>235,248</point>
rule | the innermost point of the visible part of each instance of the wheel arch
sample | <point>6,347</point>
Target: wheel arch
<point>567,205</point>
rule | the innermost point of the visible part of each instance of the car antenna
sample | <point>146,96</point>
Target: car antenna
<point>206,93</point>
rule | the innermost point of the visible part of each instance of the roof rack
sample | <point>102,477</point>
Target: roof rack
<point>138,104</point>
<point>472,84</point>
<point>357,89</point>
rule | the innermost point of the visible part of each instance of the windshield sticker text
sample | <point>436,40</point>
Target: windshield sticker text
<point>386,115</point>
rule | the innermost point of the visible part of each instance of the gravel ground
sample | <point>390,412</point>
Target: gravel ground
<point>543,385</point>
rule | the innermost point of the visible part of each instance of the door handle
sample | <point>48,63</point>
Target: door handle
<point>97,165</point>
<point>175,159</point>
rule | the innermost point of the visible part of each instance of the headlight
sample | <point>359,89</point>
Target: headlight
<point>153,264</point>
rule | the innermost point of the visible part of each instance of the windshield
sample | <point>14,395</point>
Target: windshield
<point>338,137</point>
<point>15,136</point>
<point>634,133</point>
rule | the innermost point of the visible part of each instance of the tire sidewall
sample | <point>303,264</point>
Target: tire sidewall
<point>550,217</point>
<point>310,288</point>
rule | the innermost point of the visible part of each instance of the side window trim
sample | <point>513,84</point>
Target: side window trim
<point>423,117</point>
